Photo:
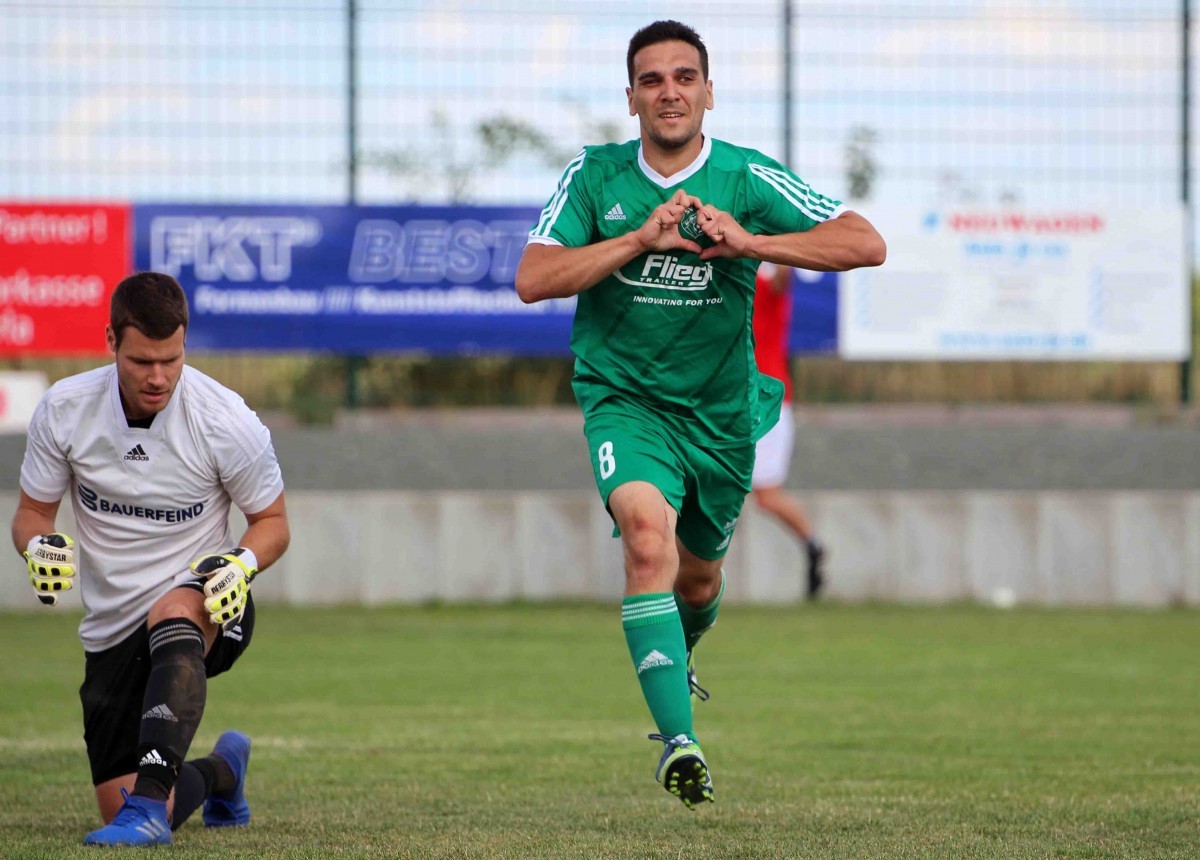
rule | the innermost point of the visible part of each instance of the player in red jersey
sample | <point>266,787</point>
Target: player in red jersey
<point>773,452</point>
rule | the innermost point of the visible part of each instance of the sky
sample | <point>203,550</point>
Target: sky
<point>1060,102</point>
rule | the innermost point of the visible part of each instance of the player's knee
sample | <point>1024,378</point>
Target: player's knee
<point>699,581</point>
<point>176,605</point>
<point>648,550</point>
<point>648,544</point>
<point>698,592</point>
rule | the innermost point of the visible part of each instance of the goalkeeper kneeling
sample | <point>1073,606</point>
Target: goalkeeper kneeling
<point>154,454</point>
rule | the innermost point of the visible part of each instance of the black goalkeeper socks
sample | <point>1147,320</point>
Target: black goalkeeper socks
<point>198,779</point>
<point>172,706</point>
<point>191,788</point>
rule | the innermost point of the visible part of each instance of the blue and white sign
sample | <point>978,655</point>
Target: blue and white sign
<point>352,280</point>
<point>1080,284</point>
<point>360,280</point>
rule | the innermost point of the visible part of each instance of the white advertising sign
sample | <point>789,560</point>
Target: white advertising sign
<point>20,391</point>
<point>1085,284</point>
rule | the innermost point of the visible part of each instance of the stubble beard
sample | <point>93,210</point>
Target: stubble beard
<point>672,144</point>
<point>136,402</point>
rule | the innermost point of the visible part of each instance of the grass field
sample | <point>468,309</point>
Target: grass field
<point>833,731</point>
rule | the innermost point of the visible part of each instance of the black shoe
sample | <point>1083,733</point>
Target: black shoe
<point>694,685</point>
<point>816,569</point>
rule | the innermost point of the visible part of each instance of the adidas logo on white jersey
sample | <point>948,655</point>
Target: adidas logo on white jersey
<point>160,712</point>
<point>615,214</point>
<point>137,452</point>
<point>654,658</point>
<point>152,757</point>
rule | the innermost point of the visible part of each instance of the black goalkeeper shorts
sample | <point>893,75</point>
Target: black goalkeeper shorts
<point>114,685</point>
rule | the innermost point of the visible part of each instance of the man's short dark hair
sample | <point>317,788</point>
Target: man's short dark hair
<point>151,302</point>
<point>666,31</point>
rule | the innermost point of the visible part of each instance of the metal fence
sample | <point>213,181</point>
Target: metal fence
<point>326,100</point>
<point>1051,103</point>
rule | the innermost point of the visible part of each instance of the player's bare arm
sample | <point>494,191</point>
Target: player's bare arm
<point>555,272</point>
<point>268,533</point>
<point>837,245</point>
<point>32,518</point>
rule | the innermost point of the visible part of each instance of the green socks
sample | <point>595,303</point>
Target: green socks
<point>697,621</point>
<point>655,638</point>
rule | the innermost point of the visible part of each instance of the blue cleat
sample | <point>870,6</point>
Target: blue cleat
<point>683,771</point>
<point>230,809</point>
<point>140,821</point>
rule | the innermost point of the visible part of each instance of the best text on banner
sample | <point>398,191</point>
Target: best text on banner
<point>1079,284</point>
<point>352,280</point>
<point>58,266</point>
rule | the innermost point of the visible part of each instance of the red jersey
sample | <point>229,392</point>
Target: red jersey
<point>772,326</point>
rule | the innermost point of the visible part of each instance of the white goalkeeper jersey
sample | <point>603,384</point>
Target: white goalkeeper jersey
<point>147,502</point>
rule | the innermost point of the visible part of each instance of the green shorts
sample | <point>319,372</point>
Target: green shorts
<point>706,486</point>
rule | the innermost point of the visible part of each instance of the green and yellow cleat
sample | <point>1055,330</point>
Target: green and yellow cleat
<point>683,771</point>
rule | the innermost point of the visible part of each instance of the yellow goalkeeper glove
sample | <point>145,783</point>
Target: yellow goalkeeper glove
<point>51,562</point>
<point>228,585</point>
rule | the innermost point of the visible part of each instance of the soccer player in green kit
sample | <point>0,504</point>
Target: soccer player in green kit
<point>660,239</point>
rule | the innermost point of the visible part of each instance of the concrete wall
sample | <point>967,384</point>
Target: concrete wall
<point>1052,547</point>
<point>864,450</point>
<point>1053,506</point>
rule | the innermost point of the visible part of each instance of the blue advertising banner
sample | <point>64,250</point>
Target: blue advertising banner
<point>357,280</point>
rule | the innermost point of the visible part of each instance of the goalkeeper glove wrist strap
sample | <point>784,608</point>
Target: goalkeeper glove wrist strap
<point>247,557</point>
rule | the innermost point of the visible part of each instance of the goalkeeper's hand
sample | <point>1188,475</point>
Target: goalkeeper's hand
<point>228,584</point>
<point>51,562</point>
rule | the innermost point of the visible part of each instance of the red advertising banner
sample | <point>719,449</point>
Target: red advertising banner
<point>59,264</point>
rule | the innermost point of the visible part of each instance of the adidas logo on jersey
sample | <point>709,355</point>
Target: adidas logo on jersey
<point>615,214</point>
<point>653,659</point>
<point>152,757</point>
<point>160,712</point>
<point>137,452</point>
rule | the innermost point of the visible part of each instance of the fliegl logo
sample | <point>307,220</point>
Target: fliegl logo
<point>665,272</point>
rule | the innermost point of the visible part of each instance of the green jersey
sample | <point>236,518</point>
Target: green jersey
<point>668,331</point>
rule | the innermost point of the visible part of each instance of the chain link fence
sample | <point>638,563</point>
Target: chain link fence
<point>1056,103</point>
<point>935,101</point>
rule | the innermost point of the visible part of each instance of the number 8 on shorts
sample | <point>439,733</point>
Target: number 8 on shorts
<point>608,463</point>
